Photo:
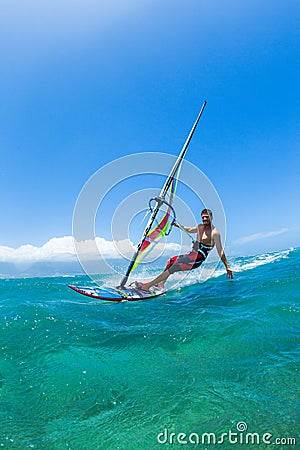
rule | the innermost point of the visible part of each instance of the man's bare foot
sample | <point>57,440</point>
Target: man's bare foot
<point>141,286</point>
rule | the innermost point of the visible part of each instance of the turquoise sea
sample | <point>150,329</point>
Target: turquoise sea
<point>214,357</point>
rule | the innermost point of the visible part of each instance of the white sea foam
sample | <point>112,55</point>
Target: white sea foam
<point>211,270</point>
<point>208,271</point>
<point>259,260</point>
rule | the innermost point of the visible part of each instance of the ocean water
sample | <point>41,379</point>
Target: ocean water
<point>214,357</point>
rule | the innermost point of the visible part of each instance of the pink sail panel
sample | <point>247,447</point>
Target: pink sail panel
<point>157,232</point>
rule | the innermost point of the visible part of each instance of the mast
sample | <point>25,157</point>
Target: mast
<point>162,195</point>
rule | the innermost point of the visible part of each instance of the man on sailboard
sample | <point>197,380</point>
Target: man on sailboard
<point>207,237</point>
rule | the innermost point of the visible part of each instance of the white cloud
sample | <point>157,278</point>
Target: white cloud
<point>259,236</point>
<point>62,250</point>
<point>100,247</point>
<point>56,249</point>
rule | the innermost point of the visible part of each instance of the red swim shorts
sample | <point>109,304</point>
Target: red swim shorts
<point>188,261</point>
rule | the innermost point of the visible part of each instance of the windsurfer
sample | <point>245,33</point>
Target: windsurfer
<point>207,237</point>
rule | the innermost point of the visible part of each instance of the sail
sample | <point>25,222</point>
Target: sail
<point>161,227</point>
<point>156,229</point>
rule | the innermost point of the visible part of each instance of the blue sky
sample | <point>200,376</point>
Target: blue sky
<point>85,82</point>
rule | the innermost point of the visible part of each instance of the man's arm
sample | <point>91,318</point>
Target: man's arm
<point>188,229</point>
<point>220,250</point>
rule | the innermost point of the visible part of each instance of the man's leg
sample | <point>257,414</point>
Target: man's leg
<point>160,279</point>
<point>175,264</point>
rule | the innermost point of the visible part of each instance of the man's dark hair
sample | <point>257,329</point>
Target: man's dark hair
<point>207,211</point>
